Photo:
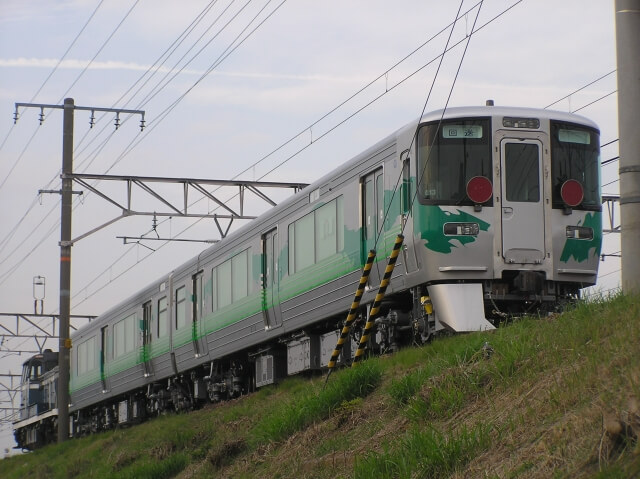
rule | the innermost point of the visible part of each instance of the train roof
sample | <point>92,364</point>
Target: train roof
<point>500,111</point>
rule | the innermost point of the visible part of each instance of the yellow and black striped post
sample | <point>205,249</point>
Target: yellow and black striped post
<point>353,312</point>
<point>375,307</point>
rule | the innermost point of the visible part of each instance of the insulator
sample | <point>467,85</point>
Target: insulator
<point>41,115</point>
<point>15,116</point>
<point>92,119</point>
<point>117,122</point>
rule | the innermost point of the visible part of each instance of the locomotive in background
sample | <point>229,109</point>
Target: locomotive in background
<point>501,213</point>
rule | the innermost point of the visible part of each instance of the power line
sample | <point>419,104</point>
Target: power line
<point>225,55</point>
<point>159,62</point>
<point>343,121</point>
<point>64,55</point>
<point>581,88</point>
<point>333,128</point>
<point>104,44</point>
<point>97,151</point>
<point>55,68</point>
<point>595,101</point>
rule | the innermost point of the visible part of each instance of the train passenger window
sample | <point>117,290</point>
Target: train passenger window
<point>213,290</point>
<point>325,231</point>
<point>239,276</point>
<point>575,155</point>
<point>181,307</point>
<point>316,236</point>
<point>230,281</point>
<point>86,356</point>
<point>162,317</point>
<point>124,336</point>
<point>304,242</point>
<point>449,155</point>
<point>223,282</point>
<point>522,173</point>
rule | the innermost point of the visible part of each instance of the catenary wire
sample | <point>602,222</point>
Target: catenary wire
<point>333,128</point>
<point>581,88</point>
<point>100,147</point>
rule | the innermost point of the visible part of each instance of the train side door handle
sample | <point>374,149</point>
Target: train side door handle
<point>507,211</point>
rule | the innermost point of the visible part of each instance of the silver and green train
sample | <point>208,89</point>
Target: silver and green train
<point>501,214</point>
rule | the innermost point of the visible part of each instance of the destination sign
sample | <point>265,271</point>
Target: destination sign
<point>462,131</point>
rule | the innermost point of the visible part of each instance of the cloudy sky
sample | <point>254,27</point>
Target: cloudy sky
<point>225,83</point>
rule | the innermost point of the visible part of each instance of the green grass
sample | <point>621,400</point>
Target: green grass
<point>424,453</point>
<point>525,400</point>
<point>318,402</point>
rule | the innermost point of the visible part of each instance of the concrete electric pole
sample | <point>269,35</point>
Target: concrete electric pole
<point>66,192</point>
<point>628,59</point>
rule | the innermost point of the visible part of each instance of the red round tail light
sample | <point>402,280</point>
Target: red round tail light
<point>479,189</point>
<point>572,193</point>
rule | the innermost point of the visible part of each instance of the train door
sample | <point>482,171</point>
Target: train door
<point>522,213</point>
<point>103,356</point>
<point>270,281</point>
<point>199,343</point>
<point>372,219</point>
<point>406,199</point>
<point>146,337</point>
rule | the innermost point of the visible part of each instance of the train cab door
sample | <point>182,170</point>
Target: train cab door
<point>270,281</point>
<point>372,201</point>
<point>523,234</point>
<point>197,315</point>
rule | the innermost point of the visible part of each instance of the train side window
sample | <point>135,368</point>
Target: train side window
<point>86,356</point>
<point>162,317</point>
<point>214,294</point>
<point>304,242</point>
<point>124,336</point>
<point>326,237</point>
<point>181,307</point>
<point>406,187</point>
<point>316,236</point>
<point>240,276</point>
<point>369,210</point>
<point>223,284</point>
<point>147,321</point>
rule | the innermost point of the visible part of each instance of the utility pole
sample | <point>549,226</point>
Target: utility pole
<point>628,60</point>
<point>66,192</point>
<point>64,343</point>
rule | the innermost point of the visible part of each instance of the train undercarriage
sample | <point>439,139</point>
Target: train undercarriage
<point>411,317</point>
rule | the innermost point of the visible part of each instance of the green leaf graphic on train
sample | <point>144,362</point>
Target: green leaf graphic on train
<point>431,223</point>
<point>578,249</point>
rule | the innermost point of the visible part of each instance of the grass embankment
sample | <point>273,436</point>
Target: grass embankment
<point>532,399</point>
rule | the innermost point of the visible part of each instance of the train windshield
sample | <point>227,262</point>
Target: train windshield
<point>575,155</point>
<point>450,153</point>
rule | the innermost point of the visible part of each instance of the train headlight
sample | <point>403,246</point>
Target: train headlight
<point>580,232</point>
<point>529,123</point>
<point>461,229</point>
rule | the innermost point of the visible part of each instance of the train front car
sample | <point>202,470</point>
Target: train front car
<point>37,424</point>
<point>508,211</point>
